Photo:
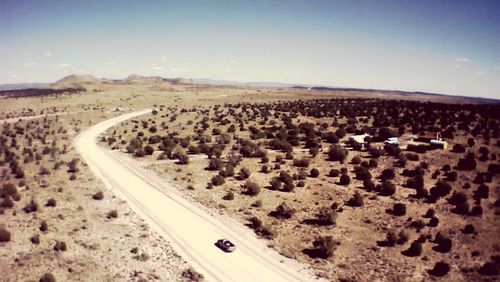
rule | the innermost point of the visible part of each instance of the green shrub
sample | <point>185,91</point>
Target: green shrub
<point>251,188</point>
<point>217,180</point>
<point>244,173</point>
<point>344,179</point>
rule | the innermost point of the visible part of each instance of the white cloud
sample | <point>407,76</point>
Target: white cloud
<point>163,58</point>
<point>462,59</point>
<point>158,68</point>
<point>497,68</point>
<point>63,65</point>
<point>48,54</point>
<point>30,64</point>
<point>12,76</point>
<point>481,72</point>
<point>110,63</point>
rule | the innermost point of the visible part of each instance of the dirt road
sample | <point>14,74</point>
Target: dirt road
<point>190,229</point>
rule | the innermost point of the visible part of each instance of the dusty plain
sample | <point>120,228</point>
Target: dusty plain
<point>101,245</point>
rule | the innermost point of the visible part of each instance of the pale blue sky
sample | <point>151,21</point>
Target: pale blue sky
<point>446,46</point>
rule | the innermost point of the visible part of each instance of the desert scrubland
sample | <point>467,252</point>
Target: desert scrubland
<point>278,160</point>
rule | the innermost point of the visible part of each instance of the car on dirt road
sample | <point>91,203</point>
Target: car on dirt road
<point>225,245</point>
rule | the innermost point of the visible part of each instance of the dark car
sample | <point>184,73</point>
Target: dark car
<point>225,245</point>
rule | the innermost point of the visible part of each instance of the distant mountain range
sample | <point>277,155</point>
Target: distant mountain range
<point>90,82</point>
<point>18,86</point>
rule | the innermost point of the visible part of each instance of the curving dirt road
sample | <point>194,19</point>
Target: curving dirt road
<point>190,229</point>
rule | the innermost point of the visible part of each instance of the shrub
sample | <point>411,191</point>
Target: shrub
<point>251,188</point>
<point>35,239</point>
<point>264,169</point>
<point>324,246</point>
<point>73,165</point>
<point>148,150</point>
<point>98,196</point>
<point>356,200</point>
<point>227,171</point>
<point>217,180</point>
<point>257,204</point>
<point>181,156</point>
<point>458,148</point>
<point>388,173</point>
<point>60,246</point>
<point>229,196</point>
<point>344,179</point>
<point>4,235</point>
<point>356,160</point>
<point>8,189</point>
<point>368,185</point>
<point>301,162</point>
<point>341,132</point>
<point>51,203</point>
<point>467,163</point>
<point>255,223</point>
<point>476,211</point>
<point>215,164</point>
<point>7,203</point>
<point>326,216</point>
<point>32,206</point>
<point>283,211</point>
<point>112,214</point>
<point>275,184</point>
<point>334,172</point>
<point>314,173</point>
<point>399,209</point>
<point>491,267</point>
<point>362,173</point>
<point>337,153</point>
<point>482,191</point>
<point>390,239</point>
<point>433,222</point>
<point>415,249</point>
<point>244,173</point>
<point>443,244</point>
<point>441,189</point>
<point>440,269</point>
<point>43,226</point>
<point>388,188</point>
<point>47,277</point>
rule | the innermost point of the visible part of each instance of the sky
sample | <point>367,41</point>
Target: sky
<point>446,46</point>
